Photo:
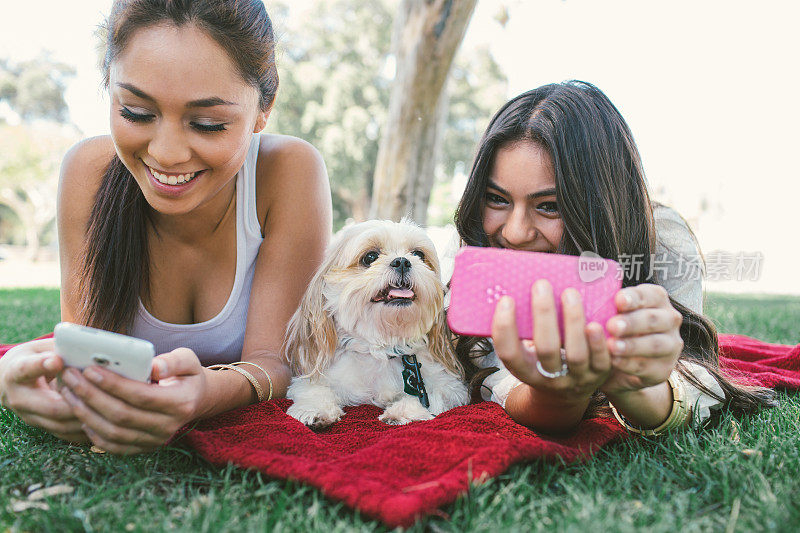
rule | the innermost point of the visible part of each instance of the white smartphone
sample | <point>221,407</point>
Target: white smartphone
<point>82,346</point>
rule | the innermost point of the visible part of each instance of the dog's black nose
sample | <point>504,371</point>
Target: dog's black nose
<point>401,264</point>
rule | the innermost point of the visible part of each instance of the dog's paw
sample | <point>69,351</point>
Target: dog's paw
<point>405,411</point>
<point>315,416</point>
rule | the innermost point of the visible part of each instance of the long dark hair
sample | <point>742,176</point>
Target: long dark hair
<point>604,204</point>
<point>116,265</point>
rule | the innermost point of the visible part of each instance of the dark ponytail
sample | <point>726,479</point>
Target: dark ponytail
<point>116,262</point>
<point>701,346</point>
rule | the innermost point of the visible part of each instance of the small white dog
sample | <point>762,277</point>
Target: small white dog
<point>370,329</point>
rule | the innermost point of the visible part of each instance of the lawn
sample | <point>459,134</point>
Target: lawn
<point>741,475</point>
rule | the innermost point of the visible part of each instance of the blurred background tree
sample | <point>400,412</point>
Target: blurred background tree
<point>34,135</point>
<point>337,72</point>
<point>334,91</point>
<point>426,36</point>
<point>35,89</point>
<point>30,156</point>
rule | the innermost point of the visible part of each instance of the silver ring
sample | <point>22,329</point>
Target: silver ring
<point>563,372</point>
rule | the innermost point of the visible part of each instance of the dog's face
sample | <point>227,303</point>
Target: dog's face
<point>380,283</point>
<point>383,284</point>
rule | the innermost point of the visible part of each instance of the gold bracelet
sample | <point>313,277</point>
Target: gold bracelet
<point>678,415</point>
<point>253,381</point>
<point>269,378</point>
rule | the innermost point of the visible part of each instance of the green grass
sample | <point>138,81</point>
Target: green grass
<point>27,313</point>
<point>694,481</point>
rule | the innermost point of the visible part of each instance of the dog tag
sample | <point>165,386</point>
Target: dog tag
<point>412,379</point>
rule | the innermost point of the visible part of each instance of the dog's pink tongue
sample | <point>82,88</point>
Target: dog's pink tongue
<point>401,293</point>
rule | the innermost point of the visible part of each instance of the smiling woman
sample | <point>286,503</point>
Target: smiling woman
<point>522,167</point>
<point>558,171</point>
<point>163,102</point>
<point>179,228</point>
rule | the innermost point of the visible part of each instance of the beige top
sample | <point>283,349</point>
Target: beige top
<point>677,265</point>
<point>676,251</point>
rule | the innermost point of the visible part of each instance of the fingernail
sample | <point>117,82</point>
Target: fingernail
<point>528,344</point>
<point>620,327</point>
<point>92,375</point>
<point>541,287</point>
<point>505,303</point>
<point>69,377</point>
<point>620,346</point>
<point>627,299</point>
<point>571,296</point>
<point>50,363</point>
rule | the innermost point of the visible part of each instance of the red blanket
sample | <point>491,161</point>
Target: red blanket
<point>397,474</point>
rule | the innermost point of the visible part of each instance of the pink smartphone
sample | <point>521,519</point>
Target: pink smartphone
<point>482,276</point>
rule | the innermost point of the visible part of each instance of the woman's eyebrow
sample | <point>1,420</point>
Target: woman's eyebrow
<point>531,196</point>
<point>203,102</point>
<point>209,102</point>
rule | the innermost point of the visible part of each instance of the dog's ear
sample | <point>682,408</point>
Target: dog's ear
<point>311,335</point>
<point>311,338</point>
<point>441,346</point>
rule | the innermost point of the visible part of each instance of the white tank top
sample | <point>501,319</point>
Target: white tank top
<point>220,339</point>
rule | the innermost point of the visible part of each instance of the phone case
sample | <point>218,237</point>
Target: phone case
<point>482,276</point>
<point>82,346</point>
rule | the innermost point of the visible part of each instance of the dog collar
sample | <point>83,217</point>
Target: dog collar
<point>390,351</point>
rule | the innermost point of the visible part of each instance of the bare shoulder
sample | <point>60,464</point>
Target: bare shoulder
<point>286,161</point>
<point>81,174</point>
<point>82,171</point>
<point>290,169</point>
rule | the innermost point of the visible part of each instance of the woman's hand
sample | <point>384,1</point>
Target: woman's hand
<point>124,416</point>
<point>27,377</point>
<point>585,352</point>
<point>646,341</point>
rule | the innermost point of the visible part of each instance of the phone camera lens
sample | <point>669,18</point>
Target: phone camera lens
<point>102,361</point>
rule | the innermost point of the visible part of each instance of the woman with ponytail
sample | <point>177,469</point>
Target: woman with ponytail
<point>186,227</point>
<point>557,170</point>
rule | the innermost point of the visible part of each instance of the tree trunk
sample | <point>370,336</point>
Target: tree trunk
<point>32,245</point>
<point>427,34</point>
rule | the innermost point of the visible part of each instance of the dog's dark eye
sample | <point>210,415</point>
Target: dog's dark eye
<point>419,254</point>
<point>369,258</point>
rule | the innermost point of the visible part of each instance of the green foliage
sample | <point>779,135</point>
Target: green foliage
<point>34,89</point>
<point>336,75</point>
<point>737,476</point>
<point>26,154</point>
<point>333,93</point>
<point>10,227</point>
<point>476,89</point>
<point>30,155</point>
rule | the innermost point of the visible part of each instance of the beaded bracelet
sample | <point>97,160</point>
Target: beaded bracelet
<point>678,416</point>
